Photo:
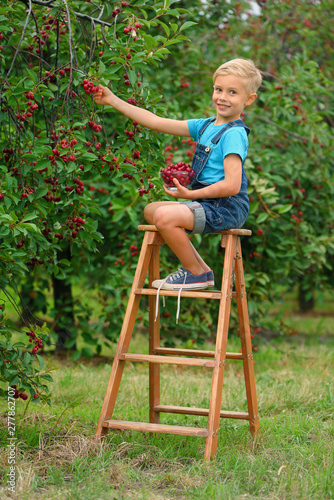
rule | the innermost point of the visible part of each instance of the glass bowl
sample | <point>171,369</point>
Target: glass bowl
<point>185,176</point>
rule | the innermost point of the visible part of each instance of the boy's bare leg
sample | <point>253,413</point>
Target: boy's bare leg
<point>199,259</point>
<point>171,218</point>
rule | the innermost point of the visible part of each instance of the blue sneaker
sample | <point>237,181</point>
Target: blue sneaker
<point>210,278</point>
<point>182,278</point>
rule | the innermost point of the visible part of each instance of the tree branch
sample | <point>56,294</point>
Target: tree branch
<point>78,14</point>
<point>297,136</point>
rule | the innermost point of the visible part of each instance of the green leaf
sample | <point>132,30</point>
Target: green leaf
<point>282,209</point>
<point>29,217</point>
<point>165,27</point>
<point>76,355</point>
<point>262,217</point>
<point>88,156</point>
<point>41,361</point>
<point>102,69</point>
<point>27,225</point>
<point>14,381</point>
<point>27,358</point>
<point>32,75</point>
<point>41,191</point>
<point>187,24</point>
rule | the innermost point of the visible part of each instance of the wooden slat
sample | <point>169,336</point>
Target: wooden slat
<point>201,412</point>
<point>184,352</point>
<point>167,360</point>
<point>194,352</point>
<point>203,294</point>
<point>159,428</point>
<point>236,232</point>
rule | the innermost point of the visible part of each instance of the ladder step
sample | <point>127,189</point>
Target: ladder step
<point>201,412</point>
<point>171,360</point>
<point>194,352</point>
<point>203,294</point>
<point>159,428</point>
<point>237,232</point>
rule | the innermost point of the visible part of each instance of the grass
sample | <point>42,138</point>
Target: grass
<point>290,459</point>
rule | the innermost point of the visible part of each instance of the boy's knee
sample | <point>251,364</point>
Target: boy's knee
<point>148,214</point>
<point>161,217</point>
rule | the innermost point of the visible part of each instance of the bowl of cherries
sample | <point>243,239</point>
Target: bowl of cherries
<point>181,171</point>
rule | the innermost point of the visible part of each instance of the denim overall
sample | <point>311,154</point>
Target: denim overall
<point>220,213</point>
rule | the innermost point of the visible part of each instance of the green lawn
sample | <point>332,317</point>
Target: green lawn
<point>291,457</point>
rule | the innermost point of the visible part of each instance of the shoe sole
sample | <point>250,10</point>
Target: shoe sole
<point>192,286</point>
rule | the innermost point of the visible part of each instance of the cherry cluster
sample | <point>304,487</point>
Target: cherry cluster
<point>48,197</point>
<point>29,190</point>
<point>8,152</point>
<point>18,394</point>
<point>89,87</point>
<point>95,126</point>
<point>80,186</point>
<point>34,261</point>
<point>143,191</point>
<point>23,115</point>
<point>134,250</point>
<point>117,11</point>
<point>49,77</point>
<point>128,83</point>
<point>74,224</point>
<point>181,171</point>
<point>129,29</point>
<point>36,340</point>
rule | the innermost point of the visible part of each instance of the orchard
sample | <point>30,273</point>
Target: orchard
<point>75,177</point>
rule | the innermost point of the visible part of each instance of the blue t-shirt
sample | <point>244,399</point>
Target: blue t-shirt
<point>233,141</point>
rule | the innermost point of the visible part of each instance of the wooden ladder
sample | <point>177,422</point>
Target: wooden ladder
<point>149,262</point>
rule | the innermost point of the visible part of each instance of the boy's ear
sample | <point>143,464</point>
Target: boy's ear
<point>250,99</point>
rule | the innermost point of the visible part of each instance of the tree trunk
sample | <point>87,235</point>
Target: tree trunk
<point>64,306</point>
<point>305,303</point>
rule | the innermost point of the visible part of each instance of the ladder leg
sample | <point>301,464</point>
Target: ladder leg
<point>246,344</point>
<point>125,335</point>
<point>154,337</point>
<point>220,353</point>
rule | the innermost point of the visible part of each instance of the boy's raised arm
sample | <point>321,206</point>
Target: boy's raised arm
<point>104,96</point>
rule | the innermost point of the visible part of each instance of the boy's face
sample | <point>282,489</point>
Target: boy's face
<point>230,98</point>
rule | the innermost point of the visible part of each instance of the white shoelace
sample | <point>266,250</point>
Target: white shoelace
<point>177,274</point>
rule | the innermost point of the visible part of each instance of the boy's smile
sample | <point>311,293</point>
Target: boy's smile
<point>230,98</point>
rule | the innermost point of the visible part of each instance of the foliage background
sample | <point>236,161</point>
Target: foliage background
<point>48,49</point>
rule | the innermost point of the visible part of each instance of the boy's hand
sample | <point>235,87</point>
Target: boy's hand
<point>103,95</point>
<point>182,192</point>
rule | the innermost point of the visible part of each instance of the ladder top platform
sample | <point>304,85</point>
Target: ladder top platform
<point>235,232</point>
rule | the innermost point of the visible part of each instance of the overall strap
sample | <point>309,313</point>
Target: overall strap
<point>235,123</point>
<point>205,126</point>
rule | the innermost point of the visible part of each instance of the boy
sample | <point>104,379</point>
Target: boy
<point>218,199</point>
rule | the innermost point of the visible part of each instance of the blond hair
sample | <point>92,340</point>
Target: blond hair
<point>245,69</point>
